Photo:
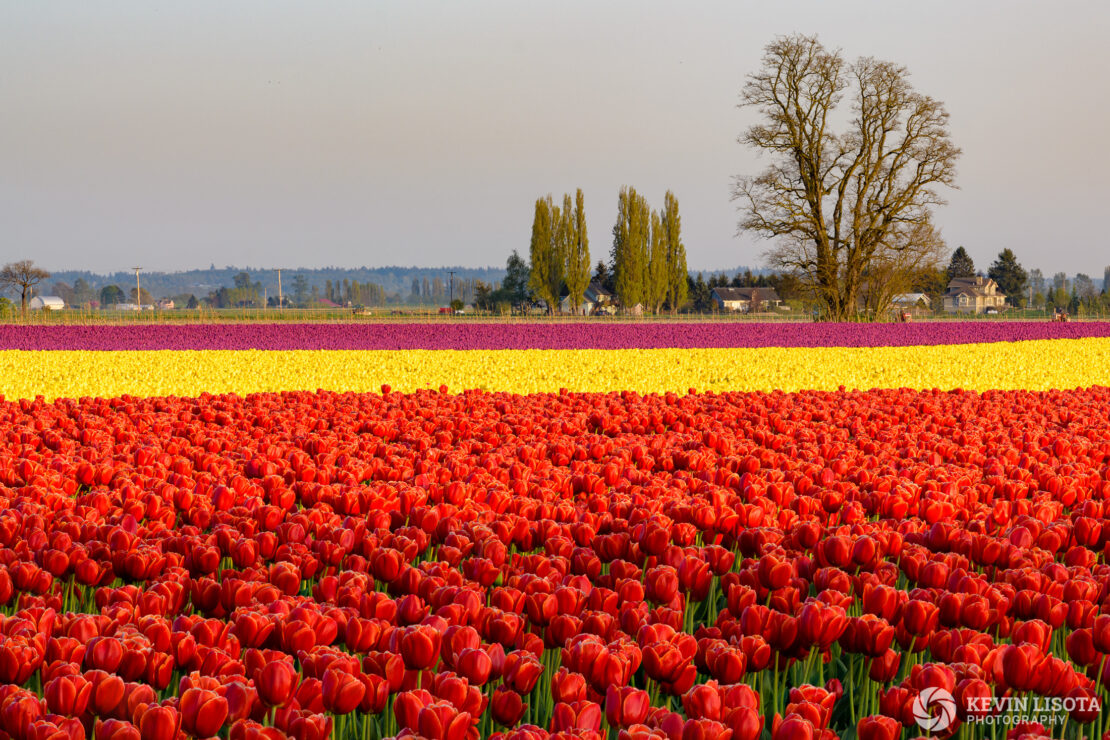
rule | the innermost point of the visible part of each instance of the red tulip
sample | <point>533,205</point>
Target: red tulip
<point>342,692</point>
<point>241,700</point>
<point>442,721</point>
<point>475,665</point>
<point>746,722</point>
<point>309,726</point>
<point>158,723</point>
<point>878,727</point>
<point>106,694</point>
<point>376,694</point>
<point>568,687</point>
<point>506,706</point>
<point>114,729</point>
<point>705,729</point>
<point>626,706</point>
<point>68,695</point>
<point>821,625</point>
<point>920,617</point>
<point>203,712</point>
<point>522,671</point>
<point>276,683</point>
<point>664,661</point>
<point>703,702</point>
<point>793,727</point>
<point>18,710</point>
<point>579,715</point>
<point>419,647</point>
<point>249,730</point>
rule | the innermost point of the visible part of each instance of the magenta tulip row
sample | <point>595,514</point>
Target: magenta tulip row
<point>530,335</point>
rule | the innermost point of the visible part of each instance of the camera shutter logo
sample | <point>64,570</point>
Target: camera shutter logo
<point>934,709</point>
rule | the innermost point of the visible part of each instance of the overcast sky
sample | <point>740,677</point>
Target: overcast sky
<point>268,134</point>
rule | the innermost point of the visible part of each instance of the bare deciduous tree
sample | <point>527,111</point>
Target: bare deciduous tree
<point>840,201</point>
<point>22,276</point>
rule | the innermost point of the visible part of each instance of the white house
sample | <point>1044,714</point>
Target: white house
<point>46,303</point>
<point>742,299</point>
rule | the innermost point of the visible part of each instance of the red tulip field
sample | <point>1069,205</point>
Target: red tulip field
<point>479,564</point>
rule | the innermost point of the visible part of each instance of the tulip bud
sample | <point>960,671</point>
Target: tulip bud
<point>625,706</point>
<point>506,706</point>
<point>203,712</point>
<point>276,683</point>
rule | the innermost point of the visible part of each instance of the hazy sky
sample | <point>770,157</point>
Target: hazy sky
<point>179,134</point>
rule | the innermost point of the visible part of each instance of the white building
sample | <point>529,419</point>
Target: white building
<point>46,303</point>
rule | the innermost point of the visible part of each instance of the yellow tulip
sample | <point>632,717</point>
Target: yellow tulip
<point>1031,365</point>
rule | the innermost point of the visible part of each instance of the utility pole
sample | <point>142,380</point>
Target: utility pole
<point>279,288</point>
<point>138,292</point>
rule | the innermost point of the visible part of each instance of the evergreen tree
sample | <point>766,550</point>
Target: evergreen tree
<point>961,265</point>
<point>1010,276</point>
<point>516,279</point>
<point>300,290</point>
<point>701,294</point>
<point>578,256</point>
<point>656,281</point>
<point>82,292</point>
<point>678,277</point>
<point>110,295</point>
<point>603,276</point>
<point>630,247</point>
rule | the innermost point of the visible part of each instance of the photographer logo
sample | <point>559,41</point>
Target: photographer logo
<point>934,709</point>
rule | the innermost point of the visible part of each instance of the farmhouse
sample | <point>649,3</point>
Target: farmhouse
<point>46,303</point>
<point>973,295</point>
<point>745,299</point>
<point>596,299</point>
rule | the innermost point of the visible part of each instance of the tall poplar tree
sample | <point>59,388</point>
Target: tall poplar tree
<point>578,255</point>
<point>678,279</point>
<point>546,266</point>
<point>656,279</point>
<point>630,247</point>
<point>563,246</point>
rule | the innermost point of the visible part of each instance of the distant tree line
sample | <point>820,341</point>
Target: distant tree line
<point>395,283</point>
